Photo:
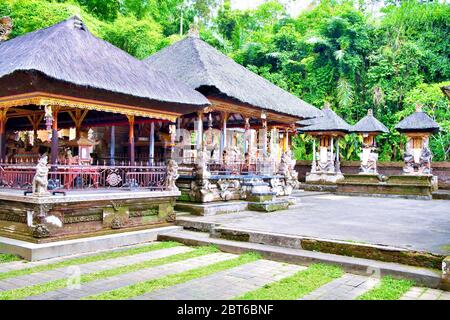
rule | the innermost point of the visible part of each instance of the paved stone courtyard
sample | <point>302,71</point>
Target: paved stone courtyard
<point>229,283</point>
<point>421,225</point>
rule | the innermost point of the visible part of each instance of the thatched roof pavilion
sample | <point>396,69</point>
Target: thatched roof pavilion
<point>419,121</point>
<point>370,124</point>
<point>220,78</point>
<point>66,65</point>
<point>329,122</point>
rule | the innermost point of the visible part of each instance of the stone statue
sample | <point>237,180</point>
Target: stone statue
<point>425,161</point>
<point>287,169</point>
<point>369,164</point>
<point>201,167</point>
<point>40,180</point>
<point>172,175</point>
<point>6,26</point>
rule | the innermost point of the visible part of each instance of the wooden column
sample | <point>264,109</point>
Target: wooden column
<point>338,160</point>
<point>286,140</point>
<point>223,140</point>
<point>247,135</point>
<point>264,134</point>
<point>112,146</point>
<point>54,148</point>
<point>131,151</point>
<point>199,130</point>
<point>3,120</point>
<point>151,146</point>
<point>313,166</point>
<point>332,152</point>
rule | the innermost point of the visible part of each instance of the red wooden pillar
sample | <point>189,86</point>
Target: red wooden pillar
<point>3,134</point>
<point>54,148</point>
<point>131,151</point>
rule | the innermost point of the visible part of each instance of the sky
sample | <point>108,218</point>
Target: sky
<point>294,6</point>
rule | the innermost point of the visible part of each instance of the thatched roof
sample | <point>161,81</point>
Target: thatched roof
<point>330,121</point>
<point>419,121</point>
<point>370,124</point>
<point>201,66</point>
<point>68,52</point>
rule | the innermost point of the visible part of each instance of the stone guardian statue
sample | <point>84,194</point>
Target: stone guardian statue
<point>40,180</point>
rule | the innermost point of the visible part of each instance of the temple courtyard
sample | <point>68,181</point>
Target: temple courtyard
<point>419,225</point>
<point>167,270</point>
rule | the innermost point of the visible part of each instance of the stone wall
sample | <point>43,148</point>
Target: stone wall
<point>440,169</point>
<point>73,219</point>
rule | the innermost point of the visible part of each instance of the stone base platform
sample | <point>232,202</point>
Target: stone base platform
<point>213,208</point>
<point>323,178</point>
<point>81,214</point>
<point>34,252</point>
<point>405,186</point>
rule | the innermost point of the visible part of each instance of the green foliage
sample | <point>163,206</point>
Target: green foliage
<point>8,258</point>
<point>296,286</point>
<point>140,38</point>
<point>332,52</point>
<point>388,289</point>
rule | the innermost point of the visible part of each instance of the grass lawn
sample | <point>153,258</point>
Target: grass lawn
<point>296,286</point>
<point>173,279</point>
<point>388,289</point>
<point>4,257</point>
<point>87,259</point>
<point>24,292</point>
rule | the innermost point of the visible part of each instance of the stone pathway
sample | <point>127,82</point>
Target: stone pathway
<point>23,264</point>
<point>108,284</point>
<point>65,272</point>
<point>418,293</point>
<point>348,287</point>
<point>226,284</point>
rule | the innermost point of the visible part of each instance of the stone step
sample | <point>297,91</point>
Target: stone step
<point>127,279</point>
<point>347,248</point>
<point>226,284</point>
<point>97,266</point>
<point>366,267</point>
<point>40,251</point>
<point>212,208</point>
<point>441,195</point>
<point>348,287</point>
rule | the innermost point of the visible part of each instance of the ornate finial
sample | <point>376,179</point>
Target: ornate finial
<point>326,105</point>
<point>418,107</point>
<point>370,112</point>
<point>6,26</point>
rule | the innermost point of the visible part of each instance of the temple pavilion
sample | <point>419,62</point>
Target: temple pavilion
<point>369,127</point>
<point>328,129</point>
<point>250,119</point>
<point>90,110</point>
<point>417,127</point>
